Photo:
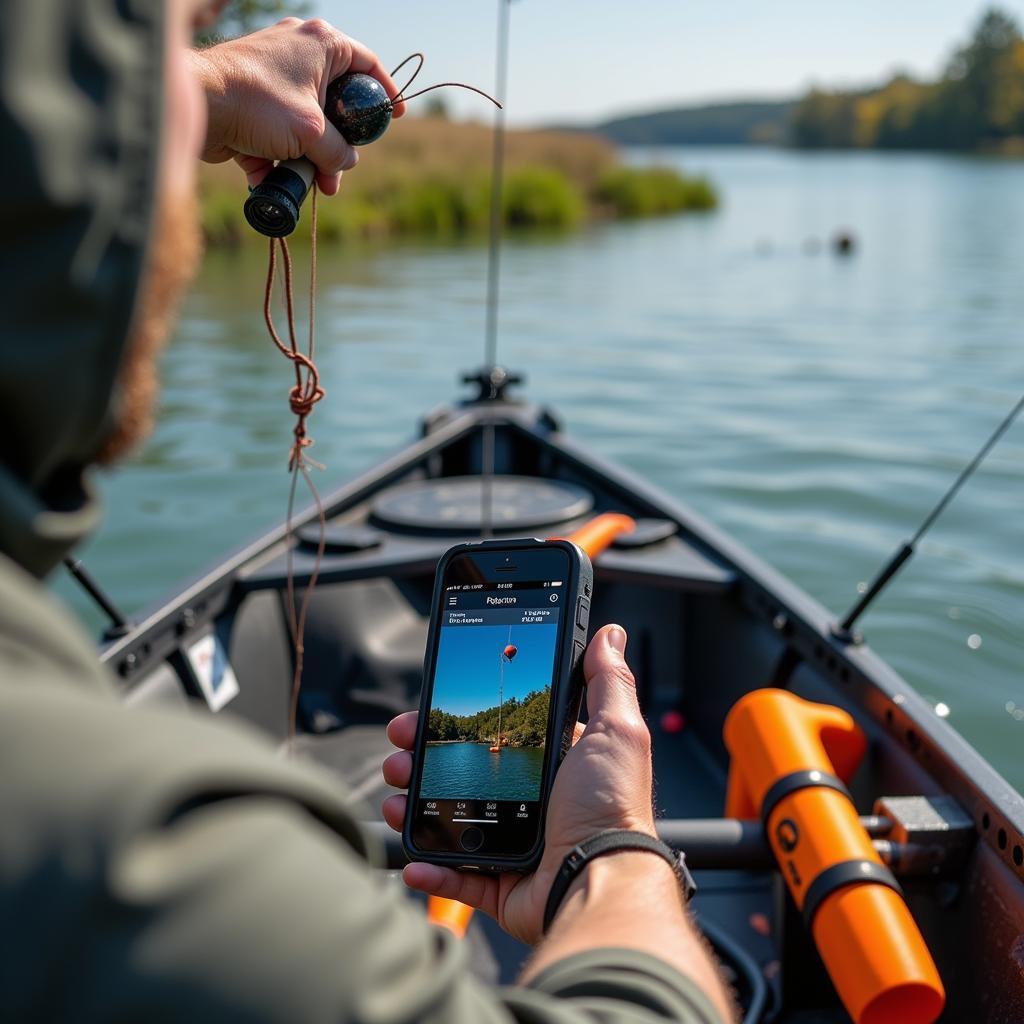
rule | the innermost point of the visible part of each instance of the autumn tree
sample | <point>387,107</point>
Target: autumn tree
<point>977,103</point>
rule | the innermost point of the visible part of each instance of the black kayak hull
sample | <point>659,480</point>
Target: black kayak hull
<point>708,621</point>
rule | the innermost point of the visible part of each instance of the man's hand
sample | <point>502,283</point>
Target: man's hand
<point>603,783</point>
<point>266,95</point>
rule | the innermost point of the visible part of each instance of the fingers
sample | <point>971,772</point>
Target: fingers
<point>479,891</point>
<point>401,730</point>
<point>397,769</point>
<point>330,153</point>
<point>393,810</point>
<point>347,54</point>
<point>365,60</point>
<point>611,688</point>
<point>329,184</point>
<point>256,168</point>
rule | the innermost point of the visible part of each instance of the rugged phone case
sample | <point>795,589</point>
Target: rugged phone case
<point>566,697</point>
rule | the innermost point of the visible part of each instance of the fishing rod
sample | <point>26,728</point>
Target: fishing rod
<point>844,631</point>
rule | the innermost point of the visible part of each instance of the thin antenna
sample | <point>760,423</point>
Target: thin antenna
<point>497,183</point>
<point>494,264</point>
<point>844,631</point>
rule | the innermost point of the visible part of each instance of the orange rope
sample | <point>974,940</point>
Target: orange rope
<point>302,398</point>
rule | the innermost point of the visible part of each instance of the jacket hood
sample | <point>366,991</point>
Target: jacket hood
<point>80,119</point>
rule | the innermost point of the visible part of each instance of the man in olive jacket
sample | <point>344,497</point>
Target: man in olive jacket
<point>161,866</point>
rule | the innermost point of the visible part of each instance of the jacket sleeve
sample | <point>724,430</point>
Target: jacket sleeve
<point>156,867</point>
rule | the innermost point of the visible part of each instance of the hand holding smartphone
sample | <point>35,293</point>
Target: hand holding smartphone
<point>604,783</point>
<point>501,696</point>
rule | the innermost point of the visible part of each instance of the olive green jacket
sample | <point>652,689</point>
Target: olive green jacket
<point>156,865</point>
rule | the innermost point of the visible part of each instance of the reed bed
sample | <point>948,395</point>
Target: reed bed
<point>430,177</point>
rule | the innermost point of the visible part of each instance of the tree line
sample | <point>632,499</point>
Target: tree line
<point>524,722</point>
<point>977,104</point>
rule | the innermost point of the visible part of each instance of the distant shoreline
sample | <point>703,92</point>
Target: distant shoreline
<point>976,106</point>
<point>487,743</point>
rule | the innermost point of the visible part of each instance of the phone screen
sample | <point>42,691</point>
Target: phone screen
<point>487,739</point>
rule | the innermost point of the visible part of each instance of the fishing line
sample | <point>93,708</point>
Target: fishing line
<point>302,398</point>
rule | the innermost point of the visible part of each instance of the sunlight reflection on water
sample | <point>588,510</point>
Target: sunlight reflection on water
<point>813,406</point>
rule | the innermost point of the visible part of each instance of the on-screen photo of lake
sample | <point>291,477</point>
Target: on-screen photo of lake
<point>470,771</point>
<point>488,718</point>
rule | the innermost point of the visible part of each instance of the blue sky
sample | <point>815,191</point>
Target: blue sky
<point>466,680</point>
<point>572,60</point>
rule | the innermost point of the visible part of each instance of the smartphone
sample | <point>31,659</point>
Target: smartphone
<point>502,685</point>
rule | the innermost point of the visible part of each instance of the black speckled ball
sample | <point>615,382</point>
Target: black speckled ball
<point>359,107</point>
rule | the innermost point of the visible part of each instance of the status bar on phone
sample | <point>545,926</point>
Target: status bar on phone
<point>499,585</point>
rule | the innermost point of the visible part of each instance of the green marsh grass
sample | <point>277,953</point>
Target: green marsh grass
<point>430,178</point>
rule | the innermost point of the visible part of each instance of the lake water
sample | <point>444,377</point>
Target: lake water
<point>812,405</point>
<point>469,771</point>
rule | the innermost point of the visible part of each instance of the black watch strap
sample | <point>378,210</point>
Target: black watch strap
<point>611,842</point>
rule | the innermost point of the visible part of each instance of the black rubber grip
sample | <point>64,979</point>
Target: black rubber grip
<point>841,875</point>
<point>805,779</point>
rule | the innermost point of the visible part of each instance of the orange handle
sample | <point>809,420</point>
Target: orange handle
<point>599,533</point>
<point>450,914</point>
<point>869,942</point>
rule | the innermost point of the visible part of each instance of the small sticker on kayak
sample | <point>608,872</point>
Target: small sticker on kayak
<point>213,671</point>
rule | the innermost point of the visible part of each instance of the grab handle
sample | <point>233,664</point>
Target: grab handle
<point>790,761</point>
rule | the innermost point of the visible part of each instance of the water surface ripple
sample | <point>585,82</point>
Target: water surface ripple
<point>470,771</point>
<point>813,406</point>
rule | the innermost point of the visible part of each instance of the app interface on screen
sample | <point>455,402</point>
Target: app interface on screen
<point>484,757</point>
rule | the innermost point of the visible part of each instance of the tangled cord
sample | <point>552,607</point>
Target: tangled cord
<point>302,399</point>
<point>363,116</point>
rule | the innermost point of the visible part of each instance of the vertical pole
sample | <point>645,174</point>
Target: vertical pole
<point>494,261</point>
<point>497,184</point>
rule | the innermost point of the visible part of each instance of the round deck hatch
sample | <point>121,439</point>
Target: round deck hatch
<point>455,504</point>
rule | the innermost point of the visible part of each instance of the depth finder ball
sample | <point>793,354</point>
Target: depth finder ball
<point>359,107</point>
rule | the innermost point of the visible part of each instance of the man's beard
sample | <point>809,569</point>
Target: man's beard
<point>172,260</point>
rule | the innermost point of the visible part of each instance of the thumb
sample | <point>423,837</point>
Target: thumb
<point>611,688</point>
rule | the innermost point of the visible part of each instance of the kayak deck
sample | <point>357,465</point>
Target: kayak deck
<point>707,622</point>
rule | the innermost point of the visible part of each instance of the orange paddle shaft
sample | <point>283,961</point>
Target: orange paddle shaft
<point>791,758</point>
<point>593,537</point>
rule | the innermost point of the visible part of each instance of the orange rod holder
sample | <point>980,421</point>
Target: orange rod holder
<point>599,533</point>
<point>593,537</point>
<point>790,760</point>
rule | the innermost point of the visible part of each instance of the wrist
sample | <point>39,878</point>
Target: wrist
<point>624,882</point>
